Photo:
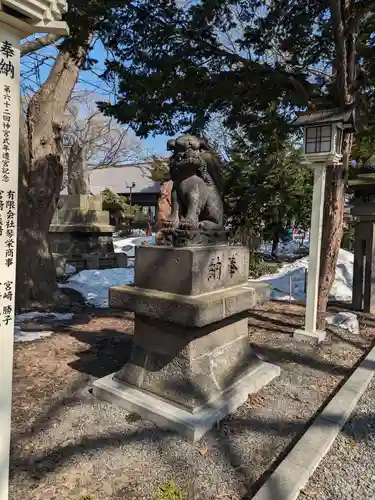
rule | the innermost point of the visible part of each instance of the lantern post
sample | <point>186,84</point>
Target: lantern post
<point>18,19</point>
<point>322,149</point>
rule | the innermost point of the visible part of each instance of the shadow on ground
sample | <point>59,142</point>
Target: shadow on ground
<point>107,352</point>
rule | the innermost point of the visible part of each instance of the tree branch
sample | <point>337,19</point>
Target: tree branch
<point>38,43</point>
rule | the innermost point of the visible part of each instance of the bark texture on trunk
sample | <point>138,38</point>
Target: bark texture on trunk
<point>164,204</point>
<point>163,209</point>
<point>333,228</point>
<point>40,179</point>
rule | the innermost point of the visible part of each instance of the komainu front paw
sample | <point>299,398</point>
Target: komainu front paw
<point>171,223</point>
<point>189,224</point>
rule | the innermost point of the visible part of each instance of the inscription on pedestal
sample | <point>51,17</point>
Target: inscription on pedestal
<point>191,271</point>
<point>214,269</point>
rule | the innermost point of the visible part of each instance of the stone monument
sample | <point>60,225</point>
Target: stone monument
<point>191,363</point>
<point>362,185</point>
<point>80,232</point>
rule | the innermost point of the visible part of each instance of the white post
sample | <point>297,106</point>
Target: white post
<point>310,331</point>
<point>9,148</point>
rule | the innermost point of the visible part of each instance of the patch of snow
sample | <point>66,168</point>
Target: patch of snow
<point>21,336</point>
<point>69,269</point>
<point>291,278</point>
<point>36,315</point>
<point>286,249</point>
<point>345,321</point>
<point>93,284</point>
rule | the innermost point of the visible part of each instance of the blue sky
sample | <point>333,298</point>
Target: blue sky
<point>35,69</point>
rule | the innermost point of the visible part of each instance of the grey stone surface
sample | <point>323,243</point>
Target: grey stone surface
<point>191,271</point>
<point>189,367</point>
<point>81,232</point>
<point>80,202</point>
<point>79,216</point>
<point>70,243</point>
<point>364,265</point>
<point>313,337</point>
<point>96,229</point>
<point>363,209</point>
<point>316,441</point>
<point>121,260</point>
<point>170,416</point>
<point>339,409</point>
<point>189,311</point>
<point>284,483</point>
<point>197,192</point>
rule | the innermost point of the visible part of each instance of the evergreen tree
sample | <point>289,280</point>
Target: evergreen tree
<point>179,64</point>
<point>159,171</point>
<point>268,191</point>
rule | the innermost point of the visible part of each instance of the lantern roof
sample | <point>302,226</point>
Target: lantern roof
<point>325,116</point>
<point>35,16</point>
<point>362,179</point>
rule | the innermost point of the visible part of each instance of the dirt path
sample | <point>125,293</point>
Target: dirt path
<point>67,444</point>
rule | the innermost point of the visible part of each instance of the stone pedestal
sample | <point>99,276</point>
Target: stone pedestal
<point>80,231</point>
<point>191,362</point>
<point>364,258</point>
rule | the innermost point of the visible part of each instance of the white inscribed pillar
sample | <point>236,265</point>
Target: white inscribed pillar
<point>9,148</point>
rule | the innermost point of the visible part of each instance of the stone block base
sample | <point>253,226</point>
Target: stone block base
<point>170,416</point>
<point>188,367</point>
<point>188,310</point>
<point>306,336</point>
<point>192,270</point>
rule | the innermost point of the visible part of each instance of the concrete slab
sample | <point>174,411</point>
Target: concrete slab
<point>170,416</point>
<point>283,484</point>
<point>306,336</point>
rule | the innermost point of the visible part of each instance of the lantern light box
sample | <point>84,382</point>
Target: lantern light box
<point>323,134</point>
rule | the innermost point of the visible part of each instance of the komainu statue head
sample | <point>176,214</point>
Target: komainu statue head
<point>195,170</point>
<point>191,153</point>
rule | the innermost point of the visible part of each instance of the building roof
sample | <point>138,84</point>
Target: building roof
<point>324,116</point>
<point>120,177</point>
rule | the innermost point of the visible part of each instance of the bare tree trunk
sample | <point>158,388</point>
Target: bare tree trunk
<point>333,223</point>
<point>345,31</point>
<point>40,181</point>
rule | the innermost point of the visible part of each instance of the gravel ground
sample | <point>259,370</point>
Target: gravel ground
<point>67,444</point>
<point>347,472</point>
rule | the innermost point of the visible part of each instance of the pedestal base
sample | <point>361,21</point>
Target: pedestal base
<point>81,232</point>
<point>167,415</point>
<point>306,336</point>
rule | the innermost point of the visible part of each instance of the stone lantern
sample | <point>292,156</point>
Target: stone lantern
<point>362,186</point>
<point>323,133</point>
<point>18,18</point>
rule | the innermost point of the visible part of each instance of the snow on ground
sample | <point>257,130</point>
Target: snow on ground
<point>286,249</point>
<point>22,336</point>
<point>28,336</point>
<point>292,277</point>
<point>93,284</point>
<point>345,320</point>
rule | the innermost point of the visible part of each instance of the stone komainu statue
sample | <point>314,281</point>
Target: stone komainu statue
<point>197,193</point>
